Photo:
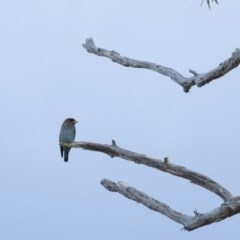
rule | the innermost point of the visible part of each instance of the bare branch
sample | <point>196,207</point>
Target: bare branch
<point>226,210</point>
<point>151,203</point>
<point>165,166</point>
<point>230,207</point>
<point>186,82</point>
<point>190,223</point>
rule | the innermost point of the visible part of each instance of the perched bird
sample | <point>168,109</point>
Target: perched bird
<point>67,135</point>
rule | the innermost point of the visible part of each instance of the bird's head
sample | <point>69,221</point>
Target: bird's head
<point>72,120</point>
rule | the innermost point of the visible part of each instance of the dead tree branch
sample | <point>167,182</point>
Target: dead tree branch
<point>186,82</point>
<point>231,205</point>
<point>165,166</point>
<point>140,197</point>
<point>189,223</point>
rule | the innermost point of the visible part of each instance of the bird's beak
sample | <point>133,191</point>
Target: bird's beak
<point>75,122</point>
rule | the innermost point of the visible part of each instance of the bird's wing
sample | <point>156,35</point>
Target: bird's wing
<point>74,133</point>
<point>60,140</point>
<point>61,151</point>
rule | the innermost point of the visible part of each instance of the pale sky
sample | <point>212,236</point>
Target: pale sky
<point>47,76</point>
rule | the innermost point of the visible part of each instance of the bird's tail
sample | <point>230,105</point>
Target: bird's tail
<point>66,152</point>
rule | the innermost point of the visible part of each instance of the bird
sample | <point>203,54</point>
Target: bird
<point>67,135</point>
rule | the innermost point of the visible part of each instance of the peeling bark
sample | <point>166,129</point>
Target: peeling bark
<point>230,206</point>
<point>199,79</point>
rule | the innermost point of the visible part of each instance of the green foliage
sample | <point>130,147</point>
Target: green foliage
<point>208,2</point>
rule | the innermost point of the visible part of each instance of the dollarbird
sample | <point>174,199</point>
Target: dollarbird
<point>67,135</point>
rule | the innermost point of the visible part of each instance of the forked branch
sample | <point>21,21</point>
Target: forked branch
<point>230,206</point>
<point>189,223</point>
<point>199,79</point>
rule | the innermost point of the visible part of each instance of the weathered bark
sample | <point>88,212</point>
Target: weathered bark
<point>227,209</point>
<point>199,79</point>
<point>230,206</point>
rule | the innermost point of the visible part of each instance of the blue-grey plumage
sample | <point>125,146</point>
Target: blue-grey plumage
<point>67,135</point>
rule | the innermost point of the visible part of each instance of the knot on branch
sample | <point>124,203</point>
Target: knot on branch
<point>166,161</point>
<point>114,56</point>
<point>112,153</point>
<point>114,144</point>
